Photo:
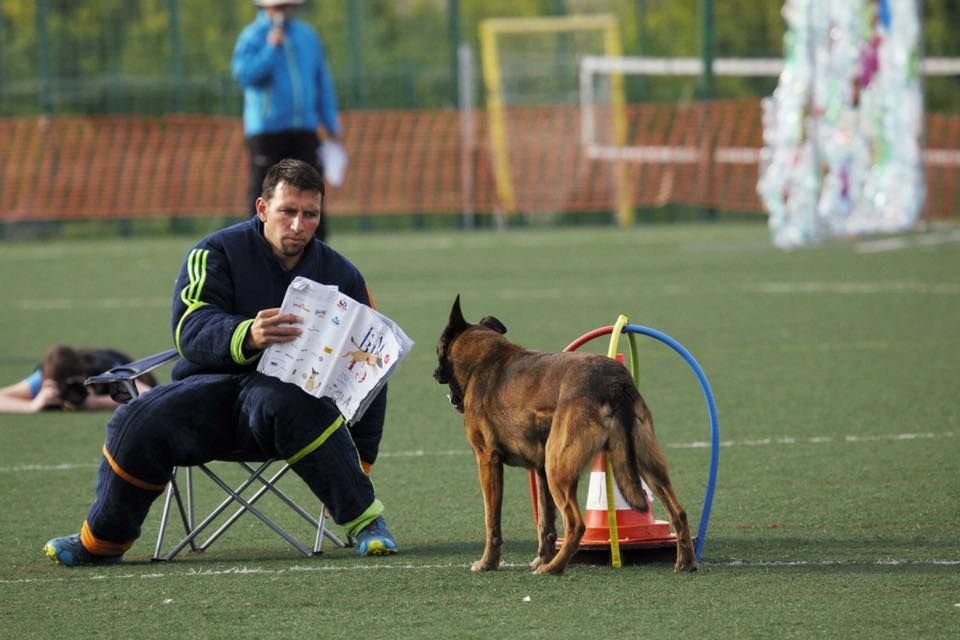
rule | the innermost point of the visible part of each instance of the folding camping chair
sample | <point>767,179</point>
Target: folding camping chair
<point>121,382</point>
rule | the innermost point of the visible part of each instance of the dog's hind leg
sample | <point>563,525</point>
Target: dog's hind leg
<point>654,471</point>
<point>686,558</point>
<point>640,456</point>
<point>573,441</point>
<point>546,524</point>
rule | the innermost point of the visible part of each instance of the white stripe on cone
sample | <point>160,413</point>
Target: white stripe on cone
<point>597,494</point>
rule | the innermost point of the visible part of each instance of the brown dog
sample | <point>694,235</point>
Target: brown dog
<point>552,412</point>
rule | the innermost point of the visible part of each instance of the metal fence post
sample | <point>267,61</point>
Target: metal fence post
<point>43,56</point>
<point>706,47</point>
<point>355,18</point>
<point>176,54</point>
<point>453,28</point>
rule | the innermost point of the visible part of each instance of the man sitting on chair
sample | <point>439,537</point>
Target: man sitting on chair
<point>225,312</point>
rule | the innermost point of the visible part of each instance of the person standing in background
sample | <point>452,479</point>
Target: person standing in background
<point>289,99</point>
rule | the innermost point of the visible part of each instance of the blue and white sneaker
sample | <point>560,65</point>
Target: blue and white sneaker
<point>375,539</point>
<point>70,552</point>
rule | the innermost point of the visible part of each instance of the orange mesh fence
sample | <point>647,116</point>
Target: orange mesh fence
<point>68,167</point>
<point>942,156</point>
<point>408,161</point>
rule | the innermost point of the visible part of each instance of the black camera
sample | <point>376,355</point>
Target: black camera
<point>73,391</point>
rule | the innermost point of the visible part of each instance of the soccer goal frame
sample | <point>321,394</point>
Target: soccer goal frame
<point>491,30</point>
<point>618,66</point>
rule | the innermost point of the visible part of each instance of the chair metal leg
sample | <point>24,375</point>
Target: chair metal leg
<point>193,529</point>
<point>271,485</point>
<point>185,512</point>
<point>199,527</point>
<point>168,499</point>
<point>256,512</point>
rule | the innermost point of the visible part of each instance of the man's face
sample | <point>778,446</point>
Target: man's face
<point>290,219</point>
<point>286,10</point>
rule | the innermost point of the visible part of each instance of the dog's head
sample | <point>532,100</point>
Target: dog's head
<point>456,326</point>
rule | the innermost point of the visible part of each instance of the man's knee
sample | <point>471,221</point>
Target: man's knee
<point>180,424</point>
<point>282,415</point>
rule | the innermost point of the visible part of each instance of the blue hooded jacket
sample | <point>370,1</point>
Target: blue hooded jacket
<point>285,88</point>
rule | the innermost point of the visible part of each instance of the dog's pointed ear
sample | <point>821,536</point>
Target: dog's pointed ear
<point>456,315</point>
<point>492,323</point>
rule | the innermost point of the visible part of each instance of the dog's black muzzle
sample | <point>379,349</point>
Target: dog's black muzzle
<point>442,373</point>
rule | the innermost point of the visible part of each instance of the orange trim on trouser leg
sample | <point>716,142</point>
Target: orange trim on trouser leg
<point>101,547</point>
<point>148,486</point>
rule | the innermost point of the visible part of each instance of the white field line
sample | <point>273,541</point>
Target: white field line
<point>58,304</point>
<point>83,575</point>
<point>696,444</point>
<point>892,287</point>
<point>895,244</point>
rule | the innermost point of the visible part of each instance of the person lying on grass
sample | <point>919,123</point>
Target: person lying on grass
<point>57,382</point>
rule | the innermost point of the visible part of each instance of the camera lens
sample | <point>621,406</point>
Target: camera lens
<point>73,393</point>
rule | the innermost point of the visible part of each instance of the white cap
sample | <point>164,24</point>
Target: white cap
<point>275,3</point>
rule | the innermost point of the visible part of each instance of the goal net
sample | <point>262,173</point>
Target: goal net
<point>531,75</point>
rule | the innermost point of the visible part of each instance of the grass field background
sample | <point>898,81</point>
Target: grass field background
<point>837,511</point>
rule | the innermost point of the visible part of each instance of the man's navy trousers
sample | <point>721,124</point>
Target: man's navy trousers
<point>205,417</point>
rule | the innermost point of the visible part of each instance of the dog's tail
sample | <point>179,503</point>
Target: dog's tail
<point>634,451</point>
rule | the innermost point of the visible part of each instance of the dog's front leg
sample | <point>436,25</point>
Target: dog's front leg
<point>491,483</point>
<point>546,525</point>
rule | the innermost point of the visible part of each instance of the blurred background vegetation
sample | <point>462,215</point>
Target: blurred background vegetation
<point>170,56</point>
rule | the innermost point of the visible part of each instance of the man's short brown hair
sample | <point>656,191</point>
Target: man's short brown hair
<point>296,173</point>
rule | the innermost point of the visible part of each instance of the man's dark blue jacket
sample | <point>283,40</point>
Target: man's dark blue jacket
<point>231,275</point>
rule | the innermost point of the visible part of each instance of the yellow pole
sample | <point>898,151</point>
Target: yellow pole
<point>608,467</point>
<point>613,48</point>
<point>496,117</point>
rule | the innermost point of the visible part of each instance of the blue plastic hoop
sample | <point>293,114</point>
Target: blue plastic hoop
<point>714,424</point>
<point>711,409</point>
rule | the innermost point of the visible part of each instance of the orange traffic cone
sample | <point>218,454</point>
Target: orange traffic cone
<point>635,529</point>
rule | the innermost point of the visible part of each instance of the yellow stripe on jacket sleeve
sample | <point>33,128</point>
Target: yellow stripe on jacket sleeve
<point>190,294</point>
<point>236,344</point>
<point>197,275</point>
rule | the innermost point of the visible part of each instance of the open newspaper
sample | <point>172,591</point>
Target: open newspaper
<point>346,352</point>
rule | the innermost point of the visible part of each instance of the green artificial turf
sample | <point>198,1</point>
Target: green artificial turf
<point>836,372</point>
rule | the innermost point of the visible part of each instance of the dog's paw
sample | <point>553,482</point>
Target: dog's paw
<point>685,565</point>
<point>551,568</point>
<point>482,565</point>
<point>686,559</point>
<point>535,563</point>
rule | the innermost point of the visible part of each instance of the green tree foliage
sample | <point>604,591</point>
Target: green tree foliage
<point>155,56</point>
